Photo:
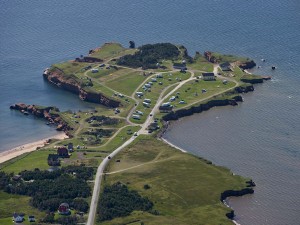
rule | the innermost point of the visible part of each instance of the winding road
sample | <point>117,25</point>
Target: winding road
<point>143,130</point>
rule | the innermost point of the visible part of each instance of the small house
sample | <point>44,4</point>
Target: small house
<point>225,66</point>
<point>62,152</point>
<point>179,66</point>
<point>208,76</point>
<point>159,75</point>
<point>18,217</point>
<point>64,209</point>
<point>139,93</point>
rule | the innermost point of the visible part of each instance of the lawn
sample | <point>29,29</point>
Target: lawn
<point>185,189</point>
<point>200,63</point>
<point>28,161</point>
<point>127,83</point>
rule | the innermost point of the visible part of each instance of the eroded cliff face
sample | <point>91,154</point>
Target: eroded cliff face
<point>175,115</point>
<point>57,77</point>
<point>51,114</point>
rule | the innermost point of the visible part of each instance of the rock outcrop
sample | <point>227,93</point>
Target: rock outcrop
<point>51,114</point>
<point>175,115</point>
<point>57,77</point>
<point>247,65</point>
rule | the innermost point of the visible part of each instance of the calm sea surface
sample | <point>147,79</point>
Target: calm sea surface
<point>260,138</point>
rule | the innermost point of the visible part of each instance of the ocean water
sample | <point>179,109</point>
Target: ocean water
<point>259,138</point>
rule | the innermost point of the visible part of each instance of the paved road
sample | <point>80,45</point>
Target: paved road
<point>98,179</point>
<point>143,130</point>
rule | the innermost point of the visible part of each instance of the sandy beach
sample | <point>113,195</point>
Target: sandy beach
<point>12,153</point>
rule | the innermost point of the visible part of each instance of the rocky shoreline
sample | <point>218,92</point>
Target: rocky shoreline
<point>58,78</point>
<point>51,114</point>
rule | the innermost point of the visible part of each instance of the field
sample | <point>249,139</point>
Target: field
<point>184,189</point>
<point>16,203</point>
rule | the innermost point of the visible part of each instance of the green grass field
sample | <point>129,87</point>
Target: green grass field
<point>191,92</point>
<point>184,188</point>
<point>10,203</point>
<point>27,161</point>
<point>111,50</point>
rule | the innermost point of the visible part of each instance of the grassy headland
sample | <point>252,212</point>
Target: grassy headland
<point>182,188</point>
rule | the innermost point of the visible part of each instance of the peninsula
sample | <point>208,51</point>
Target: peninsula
<point>115,167</point>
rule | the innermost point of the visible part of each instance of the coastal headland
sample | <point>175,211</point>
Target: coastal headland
<point>141,89</point>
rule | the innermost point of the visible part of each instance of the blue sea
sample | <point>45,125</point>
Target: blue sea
<point>260,138</point>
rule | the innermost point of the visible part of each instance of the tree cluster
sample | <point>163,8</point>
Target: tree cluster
<point>49,189</point>
<point>149,55</point>
<point>118,201</point>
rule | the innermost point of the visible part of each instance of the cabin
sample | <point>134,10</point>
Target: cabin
<point>208,76</point>
<point>64,209</point>
<point>63,152</point>
<point>153,79</point>
<point>18,217</point>
<point>159,75</point>
<point>179,66</point>
<point>139,93</point>
<point>226,67</point>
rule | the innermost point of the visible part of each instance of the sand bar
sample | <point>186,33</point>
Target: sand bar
<point>12,153</point>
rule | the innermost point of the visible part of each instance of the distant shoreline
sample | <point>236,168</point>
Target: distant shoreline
<point>30,147</point>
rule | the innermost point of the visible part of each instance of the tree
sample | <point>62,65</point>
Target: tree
<point>131,44</point>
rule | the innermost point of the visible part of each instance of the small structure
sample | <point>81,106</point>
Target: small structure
<point>179,66</point>
<point>208,76</point>
<point>147,100</point>
<point>173,98</point>
<point>18,217</point>
<point>94,70</point>
<point>62,152</point>
<point>159,75</point>
<point>165,108</point>
<point>31,218</point>
<point>139,93</point>
<point>16,177</point>
<point>146,104</point>
<point>226,66</point>
<point>136,117</point>
<point>70,147</point>
<point>139,112</point>
<point>64,209</point>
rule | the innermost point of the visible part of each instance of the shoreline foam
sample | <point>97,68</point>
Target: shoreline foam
<point>30,147</point>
